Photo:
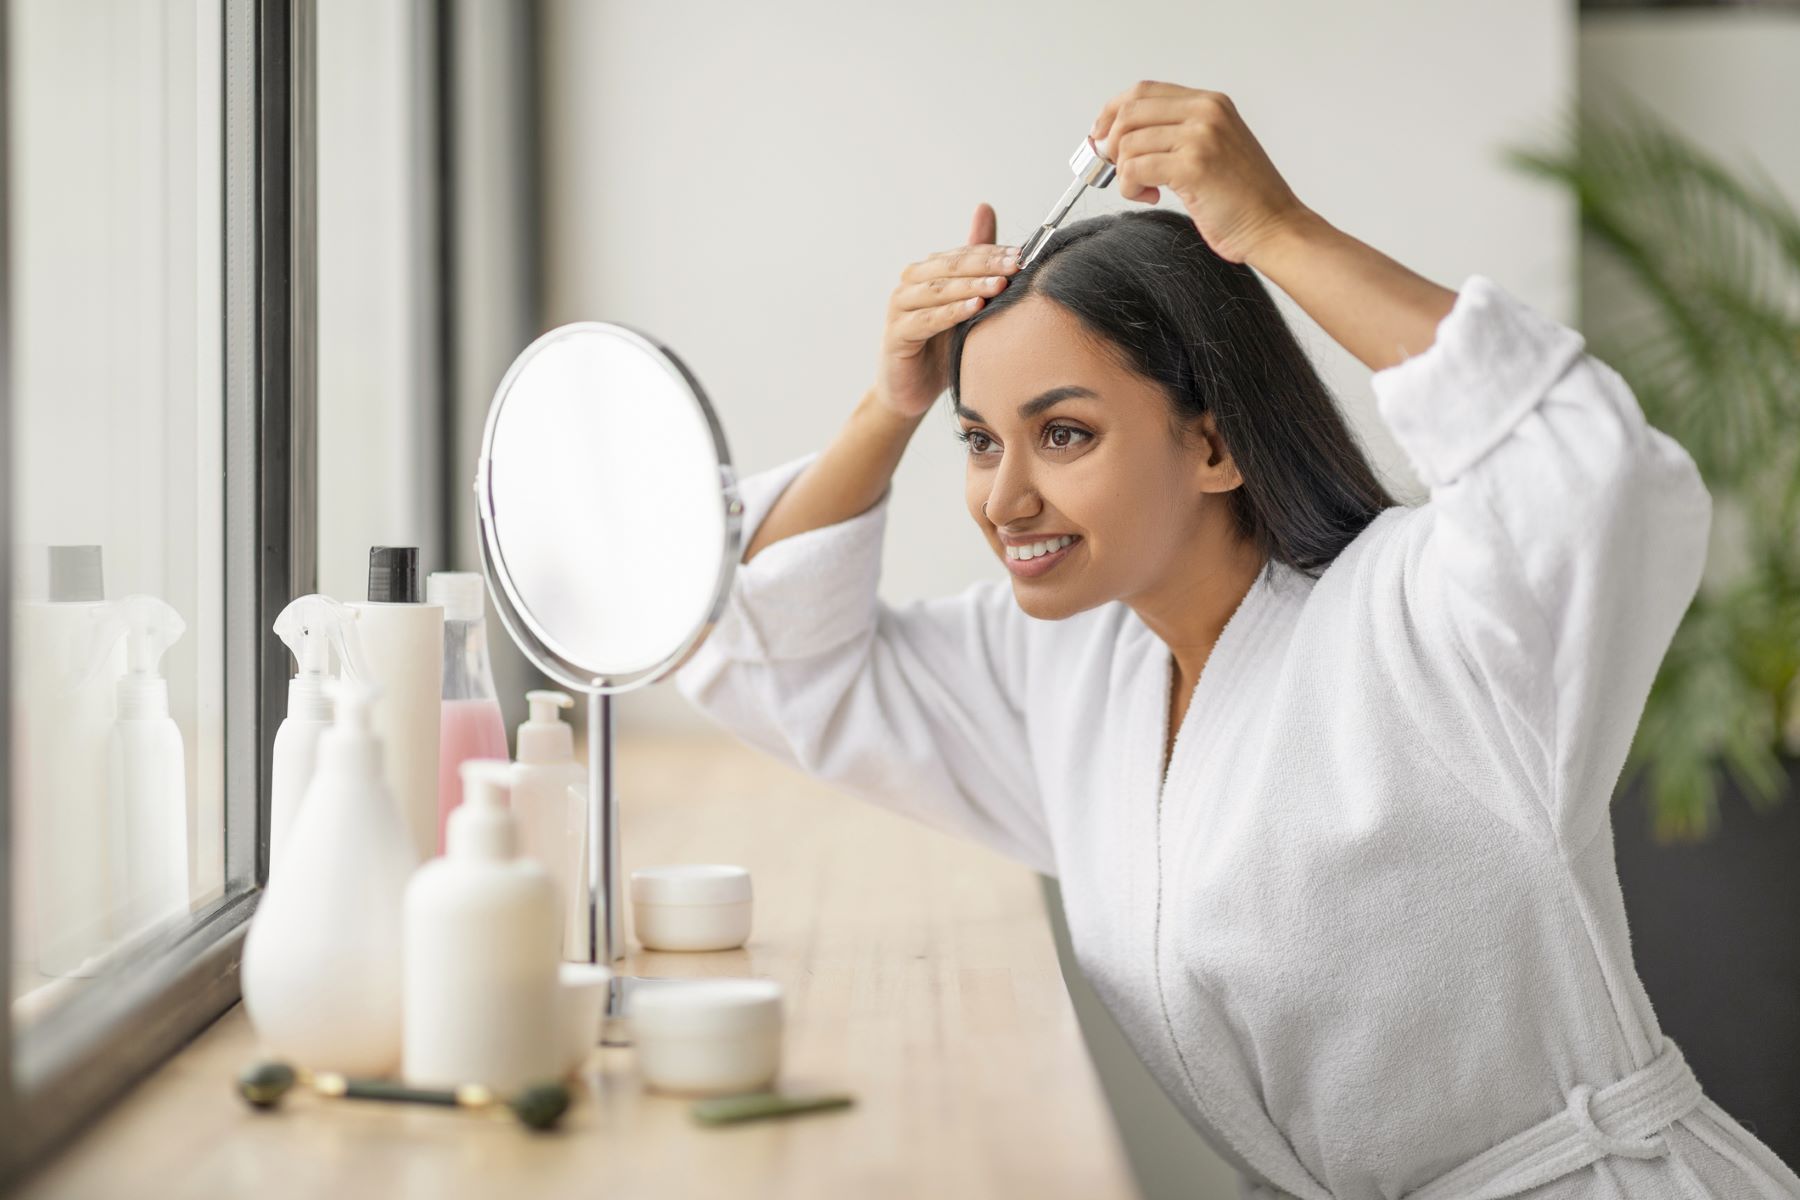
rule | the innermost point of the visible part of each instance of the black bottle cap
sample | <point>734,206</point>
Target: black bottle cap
<point>75,574</point>
<point>394,574</point>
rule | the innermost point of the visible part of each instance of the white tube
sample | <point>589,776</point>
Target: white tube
<point>63,702</point>
<point>403,647</point>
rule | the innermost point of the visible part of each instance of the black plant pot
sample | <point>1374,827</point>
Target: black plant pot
<point>1715,931</point>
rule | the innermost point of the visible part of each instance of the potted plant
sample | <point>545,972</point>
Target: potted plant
<point>1691,281</point>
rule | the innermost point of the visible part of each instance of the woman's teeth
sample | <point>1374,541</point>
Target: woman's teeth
<point>1036,548</point>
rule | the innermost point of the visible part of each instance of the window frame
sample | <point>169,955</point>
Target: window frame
<point>87,1052</point>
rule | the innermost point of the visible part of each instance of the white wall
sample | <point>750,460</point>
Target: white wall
<point>747,181</point>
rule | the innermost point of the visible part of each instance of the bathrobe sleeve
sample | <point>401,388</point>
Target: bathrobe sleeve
<point>1562,542</point>
<point>916,707</point>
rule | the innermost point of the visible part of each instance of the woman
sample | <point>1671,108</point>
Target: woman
<point>1324,780</point>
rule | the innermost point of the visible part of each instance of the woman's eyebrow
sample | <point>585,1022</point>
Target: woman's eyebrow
<point>1038,404</point>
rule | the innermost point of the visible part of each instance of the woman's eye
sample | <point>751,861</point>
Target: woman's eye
<point>1057,437</point>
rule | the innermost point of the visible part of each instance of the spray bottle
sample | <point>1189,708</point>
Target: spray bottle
<point>146,774</point>
<point>321,971</point>
<point>312,627</point>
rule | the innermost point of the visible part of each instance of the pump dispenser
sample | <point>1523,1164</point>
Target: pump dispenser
<point>550,798</point>
<point>321,970</point>
<point>483,998</point>
<point>312,628</point>
<point>146,774</point>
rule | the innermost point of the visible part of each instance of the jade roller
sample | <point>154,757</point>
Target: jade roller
<point>540,1106</point>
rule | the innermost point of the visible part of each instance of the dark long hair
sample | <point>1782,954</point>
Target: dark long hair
<point>1205,329</point>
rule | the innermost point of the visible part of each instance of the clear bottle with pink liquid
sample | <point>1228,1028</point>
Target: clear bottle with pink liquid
<point>472,725</point>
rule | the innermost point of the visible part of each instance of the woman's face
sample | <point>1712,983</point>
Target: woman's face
<point>1091,456</point>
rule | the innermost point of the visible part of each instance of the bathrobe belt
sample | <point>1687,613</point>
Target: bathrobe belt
<point>1623,1118</point>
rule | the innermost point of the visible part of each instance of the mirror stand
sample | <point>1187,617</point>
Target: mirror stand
<point>605,887</point>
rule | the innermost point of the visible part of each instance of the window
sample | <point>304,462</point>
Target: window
<point>148,439</point>
<point>211,212</point>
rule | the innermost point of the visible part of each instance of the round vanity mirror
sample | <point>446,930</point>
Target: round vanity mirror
<point>610,528</point>
<point>607,504</point>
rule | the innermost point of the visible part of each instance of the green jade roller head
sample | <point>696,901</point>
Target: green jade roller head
<point>1091,170</point>
<point>539,1106</point>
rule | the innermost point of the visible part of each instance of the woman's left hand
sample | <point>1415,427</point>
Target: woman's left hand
<point>1162,135</point>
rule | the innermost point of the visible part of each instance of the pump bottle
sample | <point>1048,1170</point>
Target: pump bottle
<point>550,797</point>
<point>483,997</point>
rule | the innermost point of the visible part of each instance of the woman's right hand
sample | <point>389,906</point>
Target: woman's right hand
<point>934,295</point>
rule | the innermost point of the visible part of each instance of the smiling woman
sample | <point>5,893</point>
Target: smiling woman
<point>1323,780</point>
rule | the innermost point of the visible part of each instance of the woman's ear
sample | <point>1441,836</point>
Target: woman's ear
<point>1217,471</point>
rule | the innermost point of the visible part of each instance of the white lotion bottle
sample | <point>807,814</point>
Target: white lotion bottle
<point>69,660</point>
<point>483,994</point>
<point>321,969</point>
<point>146,766</point>
<point>403,647</point>
<point>549,797</point>
<point>312,627</point>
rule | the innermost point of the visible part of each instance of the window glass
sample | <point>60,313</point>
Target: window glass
<point>118,482</point>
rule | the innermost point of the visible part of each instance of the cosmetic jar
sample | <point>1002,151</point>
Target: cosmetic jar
<point>706,1036</point>
<point>583,988</point>
<point>694,906</point>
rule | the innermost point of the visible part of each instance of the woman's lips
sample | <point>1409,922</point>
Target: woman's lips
<point>1030,568</point>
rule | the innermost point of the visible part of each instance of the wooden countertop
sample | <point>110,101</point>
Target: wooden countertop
<point>919,975</point>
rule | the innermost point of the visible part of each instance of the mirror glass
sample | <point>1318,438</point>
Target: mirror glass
<point>608,507</point>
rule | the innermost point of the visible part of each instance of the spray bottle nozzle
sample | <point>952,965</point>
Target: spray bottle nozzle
<point>312,626</point>
<point>150,626</point>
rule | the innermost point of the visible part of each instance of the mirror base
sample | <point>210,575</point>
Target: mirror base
<point>614,1031</point>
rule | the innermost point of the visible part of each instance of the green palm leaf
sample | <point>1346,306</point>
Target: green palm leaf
<point>1705,327</point>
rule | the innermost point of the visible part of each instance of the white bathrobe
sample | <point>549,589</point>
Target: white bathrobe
<point>1369,926</point>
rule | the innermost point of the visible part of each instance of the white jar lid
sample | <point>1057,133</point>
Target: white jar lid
<point>704,1006</point>
<point>690,883</point>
